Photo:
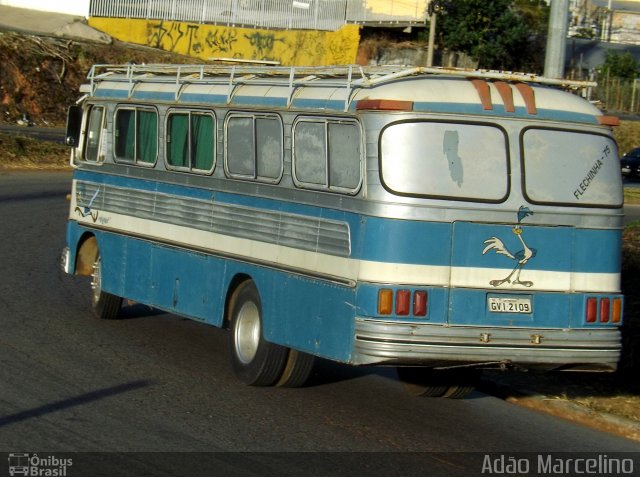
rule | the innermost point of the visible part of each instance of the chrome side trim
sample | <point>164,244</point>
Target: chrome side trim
<point>341,281</point>
<point>423,344</point>
<point>297,231</point>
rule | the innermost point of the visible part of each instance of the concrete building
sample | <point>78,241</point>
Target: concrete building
<point>607,20</point>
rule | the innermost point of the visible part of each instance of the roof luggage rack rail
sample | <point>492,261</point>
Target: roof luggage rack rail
<point>349,77</point>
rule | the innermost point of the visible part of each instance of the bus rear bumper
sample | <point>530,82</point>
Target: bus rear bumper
<point>417,344</point>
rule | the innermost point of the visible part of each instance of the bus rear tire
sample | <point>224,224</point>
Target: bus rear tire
<point>452,384</point>
<point>458,392</point>
<point>297,369</point>
<point>255,361</point>
<point>105,305</point>
<point>418,382</point>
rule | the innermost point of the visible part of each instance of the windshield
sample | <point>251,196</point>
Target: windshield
<point>572,168</point>
<point>460,161</point>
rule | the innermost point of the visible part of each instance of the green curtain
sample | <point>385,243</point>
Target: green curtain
<point>125,134</point>
<point>147,136</point>
<point>202,142</point>
<point>178,150</point>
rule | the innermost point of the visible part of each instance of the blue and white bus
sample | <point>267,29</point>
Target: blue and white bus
<point>439,221</point>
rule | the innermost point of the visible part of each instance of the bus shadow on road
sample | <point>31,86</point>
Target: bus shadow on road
<point>133,310</point>
<point>73,402</point>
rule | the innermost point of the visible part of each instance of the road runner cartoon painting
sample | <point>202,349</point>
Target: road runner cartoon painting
<point>521,257</point>
<point>86,210</point>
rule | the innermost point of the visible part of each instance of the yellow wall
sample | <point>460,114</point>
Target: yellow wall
<point>289,47</point>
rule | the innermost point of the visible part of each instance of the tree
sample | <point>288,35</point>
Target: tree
<point>498,34</point>
<point>620,65</point>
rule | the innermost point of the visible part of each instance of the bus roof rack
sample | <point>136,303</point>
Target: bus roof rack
<point>349,77</point>
<point>355,75</point>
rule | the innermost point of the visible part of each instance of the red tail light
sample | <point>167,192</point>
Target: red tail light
<point>420,303</point>
<point>604,310</point>
<point>592,310</point>
<point>403,300</point>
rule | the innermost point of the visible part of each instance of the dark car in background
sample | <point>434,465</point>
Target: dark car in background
<point>630,164</point>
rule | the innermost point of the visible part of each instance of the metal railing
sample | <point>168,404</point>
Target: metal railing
<point>621,96</point>
<point>282,14</point>
<point>348,77</point>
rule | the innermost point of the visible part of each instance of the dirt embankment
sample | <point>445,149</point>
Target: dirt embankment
<point>40,76</point>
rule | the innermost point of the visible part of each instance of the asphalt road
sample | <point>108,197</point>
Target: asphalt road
<point>117,394</point>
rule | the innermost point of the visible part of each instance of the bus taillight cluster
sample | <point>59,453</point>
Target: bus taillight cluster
<point>603,310</point>
<point>403,302</point>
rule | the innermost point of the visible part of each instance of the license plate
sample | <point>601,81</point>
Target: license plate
<point>509,305</point>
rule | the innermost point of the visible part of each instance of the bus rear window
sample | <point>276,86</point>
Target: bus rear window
<point>570,168</point>
<point>460,161</point>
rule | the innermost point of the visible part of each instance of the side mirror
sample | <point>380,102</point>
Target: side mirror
<point>74,123</point>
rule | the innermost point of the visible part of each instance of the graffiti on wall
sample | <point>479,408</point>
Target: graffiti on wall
<point>263,44</point>
<point>221,41</point>
<point>291,48</point>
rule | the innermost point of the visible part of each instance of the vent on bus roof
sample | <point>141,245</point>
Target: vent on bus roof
<point>506,93</point>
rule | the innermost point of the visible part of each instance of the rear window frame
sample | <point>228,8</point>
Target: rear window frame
<point>523,168</point>
<point>494,125</point>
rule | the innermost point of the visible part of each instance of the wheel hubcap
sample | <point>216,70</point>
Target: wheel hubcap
<point>247,333</point>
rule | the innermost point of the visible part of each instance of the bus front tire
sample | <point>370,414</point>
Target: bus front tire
<point>255,361</point>
<point>105,305</point>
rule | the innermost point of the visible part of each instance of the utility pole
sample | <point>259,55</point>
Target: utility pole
<point>557,39</point>
<point>432,38</point>
<point>434,7</point>
<point>610,19</point>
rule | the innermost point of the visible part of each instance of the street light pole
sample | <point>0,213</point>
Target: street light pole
<point>557,39</point>
<point>434,7</point>
<point>432,38</point>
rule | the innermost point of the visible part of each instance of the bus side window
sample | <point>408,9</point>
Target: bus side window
<point>327,154</point>
<point>240,147</point>
<point>344,154</point>
<point>310,151</point>
<point>190,143</point>
<point>93,140</point>
<point>147,137</point>
<point>269,151</point>
<point>136,135</point>
<point>254,147</point>
<point>202,143</point>
<point>124,131</point>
